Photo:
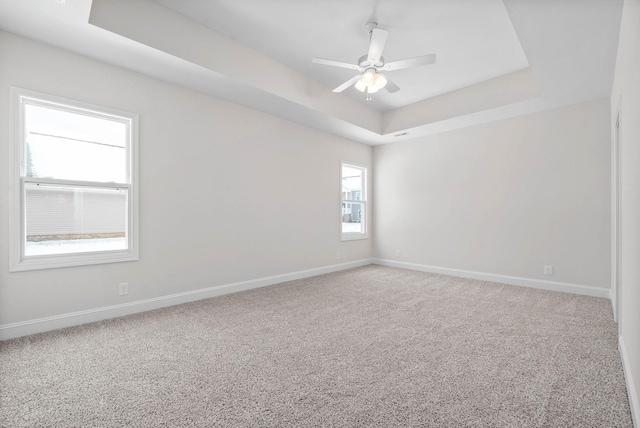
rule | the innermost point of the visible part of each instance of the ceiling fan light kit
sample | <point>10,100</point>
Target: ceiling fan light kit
<point>371,80</point>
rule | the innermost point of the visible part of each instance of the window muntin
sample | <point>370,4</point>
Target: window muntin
<point>74,191</point>
<point>353,201</point>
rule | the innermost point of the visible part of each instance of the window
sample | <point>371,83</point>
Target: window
<point>353,179</point>
<point>73,172</point>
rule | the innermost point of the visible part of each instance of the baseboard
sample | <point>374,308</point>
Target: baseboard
<point>631,389</point>
<point>25,328</point>
<point>505,279</point>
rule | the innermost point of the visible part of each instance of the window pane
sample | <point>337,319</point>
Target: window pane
<point>66,219</point>
<point>352,218</point>
<point>72,146</point>
<point>351,183</point>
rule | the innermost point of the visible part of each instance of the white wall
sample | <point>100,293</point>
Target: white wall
<point>504,198</point>
<point>226,193</point>
<point>626,92</point>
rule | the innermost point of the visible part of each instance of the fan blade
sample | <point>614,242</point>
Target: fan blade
<point>346,84</point>
<point>390,86</point>
<point>411,62</point>
<point>336,63</point>
<point>376,45</point>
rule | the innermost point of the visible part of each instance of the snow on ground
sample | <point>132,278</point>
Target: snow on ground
<point>74,246</point>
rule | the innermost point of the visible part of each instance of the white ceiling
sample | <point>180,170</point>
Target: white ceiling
<point>495,59</point>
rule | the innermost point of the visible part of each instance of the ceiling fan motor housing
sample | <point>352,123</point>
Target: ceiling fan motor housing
<point>370,26</point>
<point>364,63</point>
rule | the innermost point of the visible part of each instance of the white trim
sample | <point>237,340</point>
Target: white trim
<point>634,404</point>
<point>74,183</point>
<point>15,159</point>
<point>24,328</point>
<point>353,236</point>
<point>505,279</point>
<point>616,294</point>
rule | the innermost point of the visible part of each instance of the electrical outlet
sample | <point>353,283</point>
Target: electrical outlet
<point>337,256</point>
<point>548,270</point>
<point>398,253</point>
<point>123,288</point>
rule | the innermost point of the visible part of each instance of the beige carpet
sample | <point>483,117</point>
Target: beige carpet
<point>372,346</point>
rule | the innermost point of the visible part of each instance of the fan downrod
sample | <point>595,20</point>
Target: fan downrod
<point>370,26</point>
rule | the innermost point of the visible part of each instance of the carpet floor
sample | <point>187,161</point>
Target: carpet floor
<point>372,346</point>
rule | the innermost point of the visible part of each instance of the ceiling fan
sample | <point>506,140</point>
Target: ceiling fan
<point>370,66</point>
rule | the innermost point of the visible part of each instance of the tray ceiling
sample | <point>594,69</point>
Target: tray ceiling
<point>495,59</point>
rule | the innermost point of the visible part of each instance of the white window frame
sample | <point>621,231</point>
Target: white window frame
<point>351,236</point>
<point>18,261</point>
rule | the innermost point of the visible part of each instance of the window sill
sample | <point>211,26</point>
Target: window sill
<point>354,237</point>
<point>70,260</point>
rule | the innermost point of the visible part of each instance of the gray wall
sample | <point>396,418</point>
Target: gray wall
<point>504,198</point>
<point>227,193</point>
